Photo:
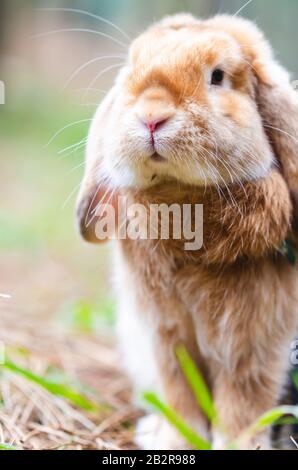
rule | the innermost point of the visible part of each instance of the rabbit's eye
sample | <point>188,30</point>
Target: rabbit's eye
<point>217,77</point>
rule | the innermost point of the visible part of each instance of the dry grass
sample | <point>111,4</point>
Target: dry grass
<point>30,416</point>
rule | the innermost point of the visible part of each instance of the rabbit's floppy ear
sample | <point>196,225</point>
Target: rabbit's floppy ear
<point>276,99</point>
<point>278,106</point>
<point>94,194</point>
<point>95,202</point>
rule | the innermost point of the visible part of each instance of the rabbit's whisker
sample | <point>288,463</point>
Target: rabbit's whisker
<point>86,104</point>
<point>93,212</point>
<point>76,168</point>
<point>89,89</point>
<point>281,131</point>
<point>73,146</point>
<point>212,168</point>
<point>102,72</point>
<point>70,196</point>
<point>90,15</point>
<point>242,8</point>
<point>66,127</point>
<point>72,152</point>
<point>79,30</point>
<point>82,67</point>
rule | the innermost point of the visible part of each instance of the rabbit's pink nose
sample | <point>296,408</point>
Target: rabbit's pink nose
<point>153,125</point>
<point>155,107</point>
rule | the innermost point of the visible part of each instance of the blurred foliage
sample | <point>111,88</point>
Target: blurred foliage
<point>57,385</point>
<point>85,317</point>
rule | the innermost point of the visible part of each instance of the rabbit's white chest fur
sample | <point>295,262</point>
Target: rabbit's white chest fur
<point>136,325</point>
<point>134,332</point>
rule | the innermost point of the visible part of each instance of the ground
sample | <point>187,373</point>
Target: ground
<point>57,322</point>
<point>30,416</point>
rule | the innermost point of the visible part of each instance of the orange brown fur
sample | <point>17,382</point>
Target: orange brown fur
<point>237,274</point>
<point>234,302</point>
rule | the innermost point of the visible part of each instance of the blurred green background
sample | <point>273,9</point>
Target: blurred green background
<point>44,265</point>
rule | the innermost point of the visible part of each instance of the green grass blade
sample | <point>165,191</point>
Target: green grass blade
<point>196,382</point>
<point>194,439</point>
<point>55,388</point>
<point>286,420</point>
<point>295,379</point>
<point>7,447</point>
<point>271,416</point>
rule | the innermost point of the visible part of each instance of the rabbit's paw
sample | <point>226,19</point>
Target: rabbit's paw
<point>154,433</point>
<point>260,442</point>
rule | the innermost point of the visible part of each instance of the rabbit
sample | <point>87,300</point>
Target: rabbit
<point>202,113</point>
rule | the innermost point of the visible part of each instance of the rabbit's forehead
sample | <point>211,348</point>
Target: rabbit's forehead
<point>204,46</point>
